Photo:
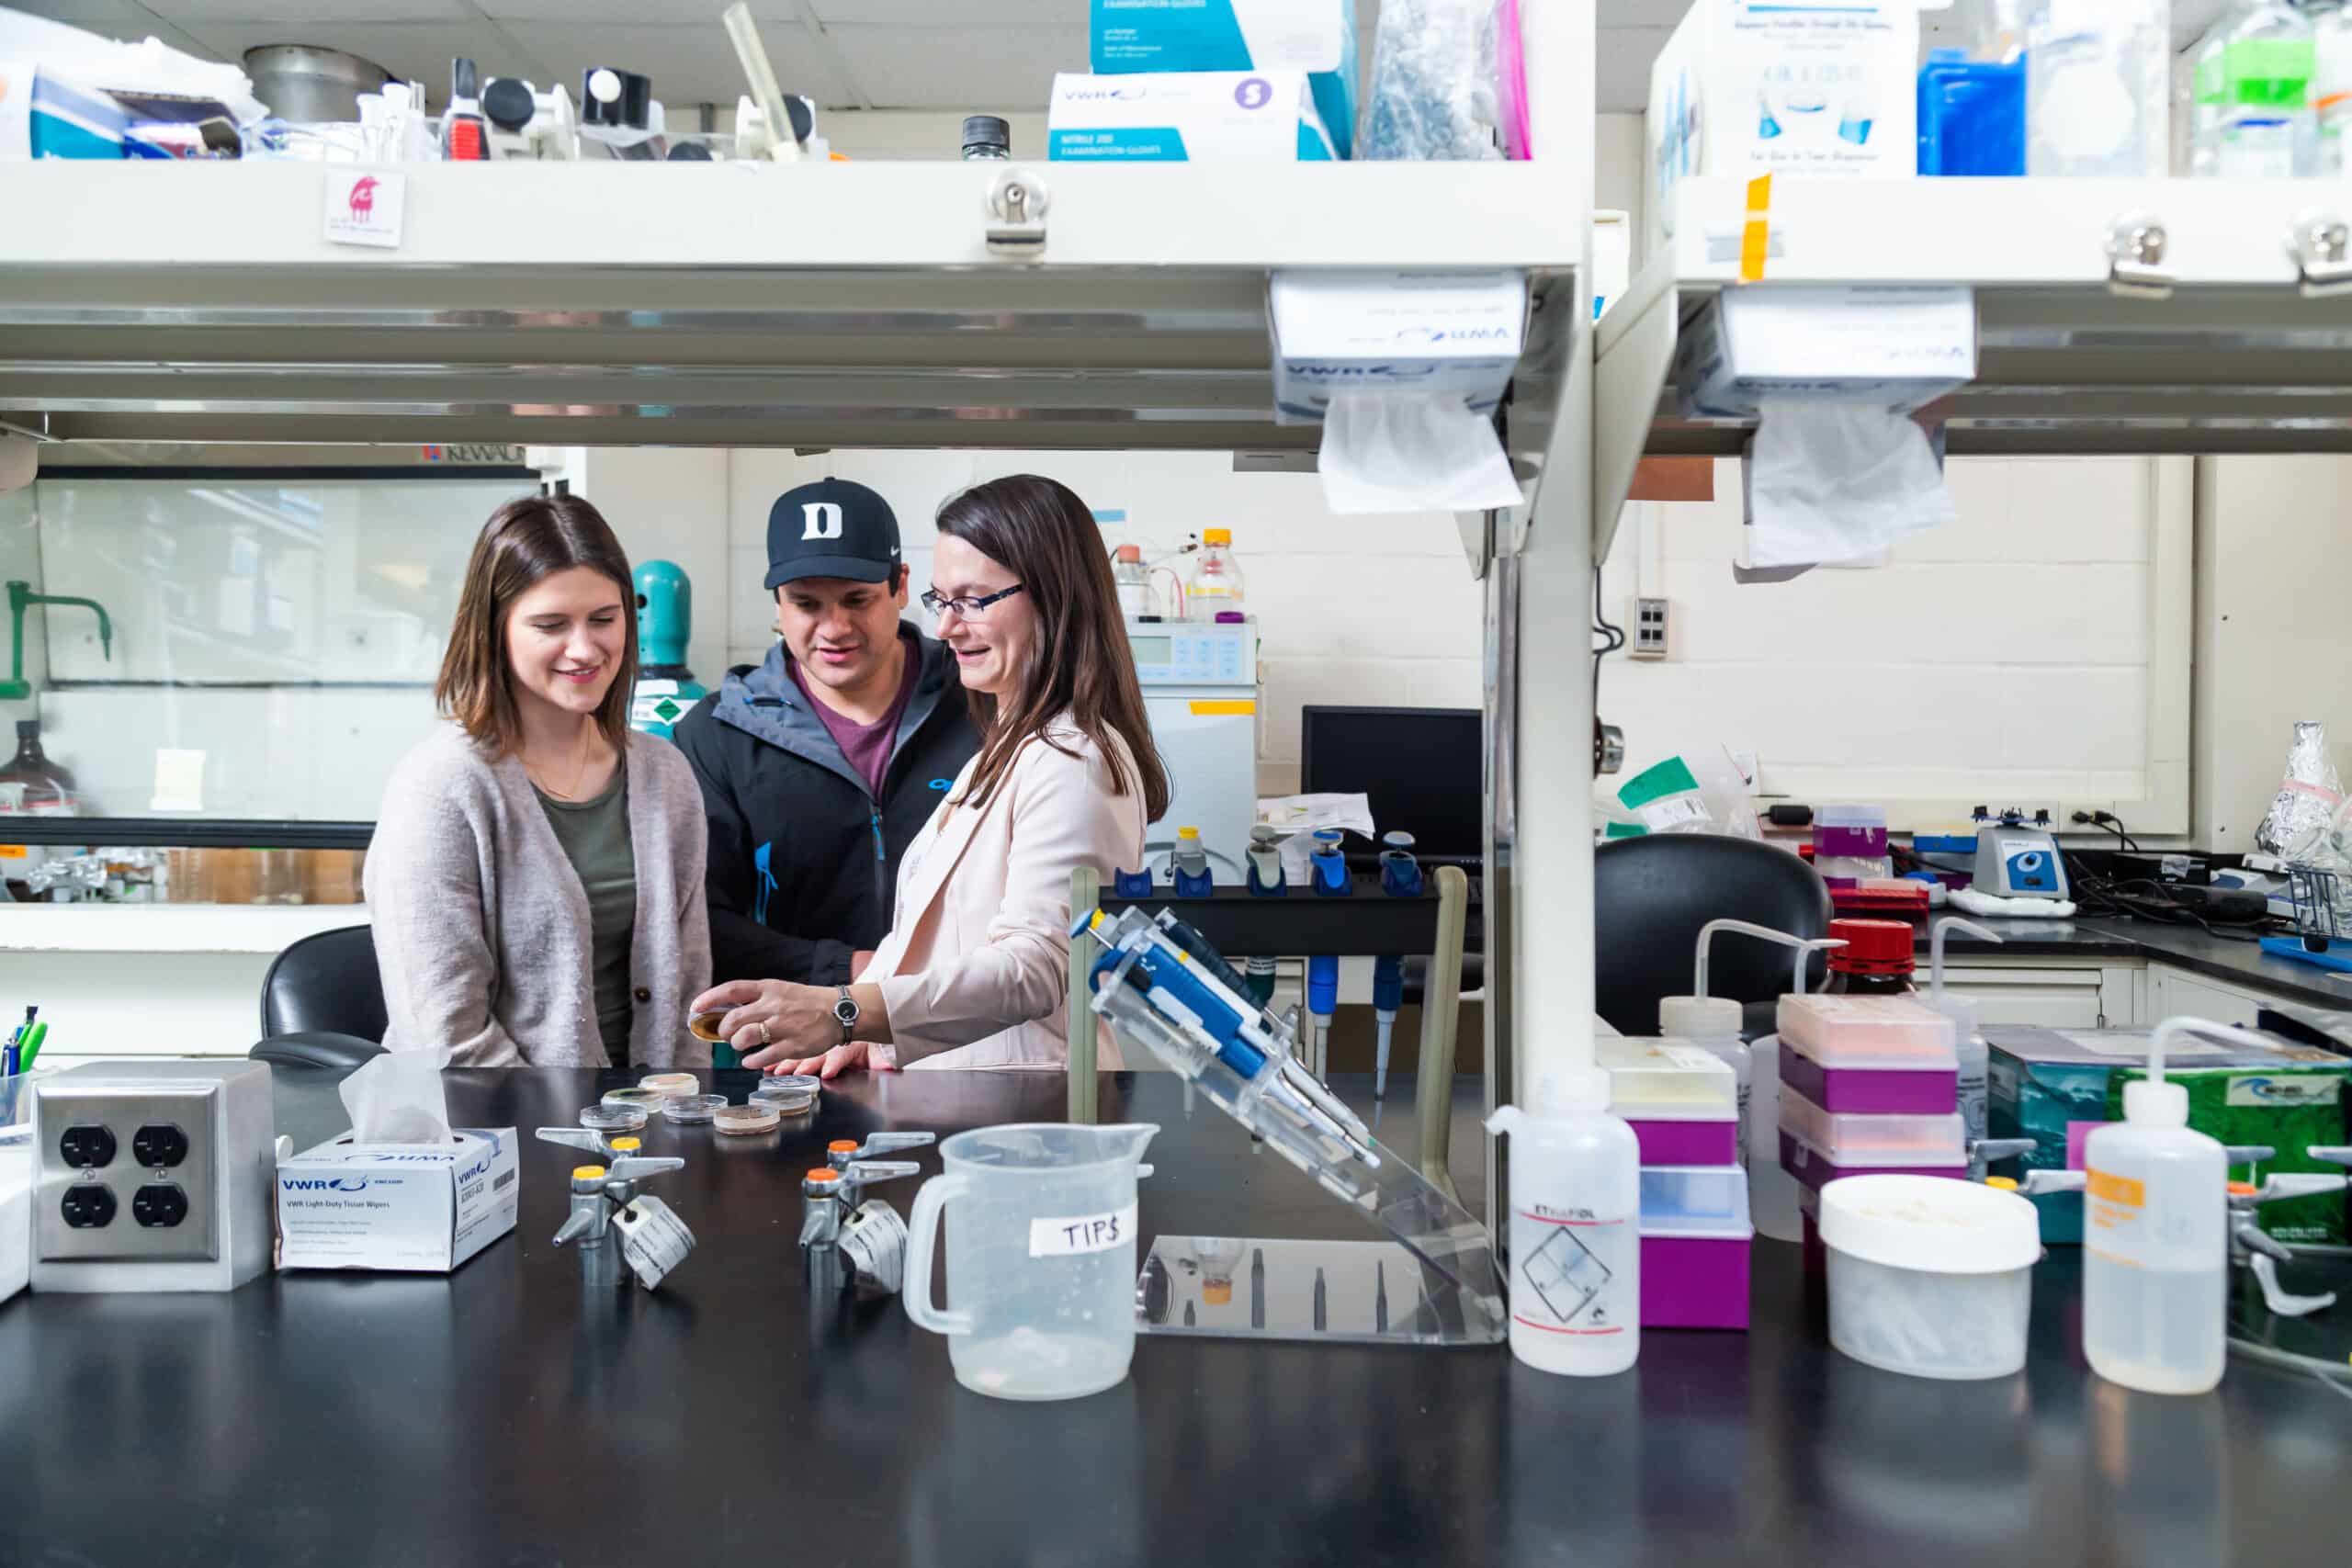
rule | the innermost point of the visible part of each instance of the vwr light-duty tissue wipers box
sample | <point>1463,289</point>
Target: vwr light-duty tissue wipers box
<point>422,1208</point>
<point>1318,37</point>
<point>1182,118</point>
<point>1394,332</point>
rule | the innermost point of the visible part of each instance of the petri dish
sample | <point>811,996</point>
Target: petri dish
<point>788,1095</point>
<point>647,1099</point>
<point>756,1117</point>
<point>692,1106</point>
<point>613,1117</point>
<point>705,1026</point>
<point>670,1083</point>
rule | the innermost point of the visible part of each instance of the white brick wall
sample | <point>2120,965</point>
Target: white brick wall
<point>2015,653</point>
<point>1352,609</point>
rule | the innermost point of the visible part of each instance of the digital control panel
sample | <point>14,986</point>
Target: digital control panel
<point>1186,653</point>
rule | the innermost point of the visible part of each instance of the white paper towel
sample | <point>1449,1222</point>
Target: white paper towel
<point>1836,484</point>
<point>1412,452</point>
<point>397,1098</point>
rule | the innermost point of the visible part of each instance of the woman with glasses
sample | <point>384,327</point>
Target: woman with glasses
<point>976,968</point>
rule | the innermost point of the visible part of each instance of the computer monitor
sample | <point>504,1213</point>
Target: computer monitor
<point>1423,767</point>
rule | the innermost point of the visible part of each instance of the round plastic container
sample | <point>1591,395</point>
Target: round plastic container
<point>705,1026</point>
<point>670,1083</point>
<point>744,1120</point>
<point>645,1099</point>
<point>613,1117</point>
<point>693,1108</point>
<point>1929,1278</point>
<point>790,1095</point>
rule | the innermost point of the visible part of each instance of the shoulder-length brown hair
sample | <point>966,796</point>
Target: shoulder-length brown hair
<point>1079,662</point>
<point>524,542</point>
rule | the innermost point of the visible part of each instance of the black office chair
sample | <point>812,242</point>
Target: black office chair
<point>323,1003</point>
<point>1651,896</point>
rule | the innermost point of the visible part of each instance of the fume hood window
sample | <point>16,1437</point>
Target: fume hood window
<point>235,645</point>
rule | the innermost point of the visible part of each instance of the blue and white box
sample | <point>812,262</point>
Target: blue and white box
<point>42,116</point>
<point>1193,116</point>
<point>411,1208</point>
<point>1318,37</point>
<point>1898,346</point>
<point>1457,332</point>
<point>1824,90</point>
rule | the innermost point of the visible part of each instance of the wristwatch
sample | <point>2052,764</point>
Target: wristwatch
<point>845,1014</point>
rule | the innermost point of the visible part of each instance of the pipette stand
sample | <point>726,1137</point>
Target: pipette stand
<point>1179,1001</point>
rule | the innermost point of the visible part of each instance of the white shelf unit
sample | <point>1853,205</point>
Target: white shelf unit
<point>2240,358</point>
<point>839,305</point>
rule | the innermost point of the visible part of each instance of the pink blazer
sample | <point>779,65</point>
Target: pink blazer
<point>975,969</point>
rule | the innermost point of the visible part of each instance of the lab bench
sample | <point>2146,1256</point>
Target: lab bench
<point>507,1413</point>
<point>2117,974</point>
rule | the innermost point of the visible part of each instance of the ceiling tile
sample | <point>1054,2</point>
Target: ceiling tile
<point>689,65</point>
<point>309,14</point>
<point>948,14</point>
<point>419,52</point>
<point>972,69</point>
<point>109,19</point>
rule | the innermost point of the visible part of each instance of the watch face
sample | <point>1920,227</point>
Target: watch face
<point>845,1009</point>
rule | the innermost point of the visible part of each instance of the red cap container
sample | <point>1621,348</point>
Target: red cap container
<point>1873,947</point>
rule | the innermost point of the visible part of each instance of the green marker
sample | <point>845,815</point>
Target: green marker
<point>30,1047</point>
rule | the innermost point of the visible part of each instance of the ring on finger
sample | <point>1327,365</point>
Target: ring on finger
<point>764,1032</point>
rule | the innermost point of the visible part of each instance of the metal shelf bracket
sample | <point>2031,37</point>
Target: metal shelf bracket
<point>2135,253</point>
<point>1016,205</point>
<point>2320,245</point>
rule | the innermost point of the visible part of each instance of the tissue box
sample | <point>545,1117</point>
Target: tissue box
<point>1748,87</point>
<point>2058,1087</point>
<point>41,116</point>
<point>1398,331</point>
<point>1892,347</point>
<point>1180,119</point>
<point>1318,37</point>
<point>419,1208</point>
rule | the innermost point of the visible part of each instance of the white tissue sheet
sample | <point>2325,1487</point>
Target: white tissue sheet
<point>1832,484</point>
<point>1412,452</point>
<point>397,1098</point>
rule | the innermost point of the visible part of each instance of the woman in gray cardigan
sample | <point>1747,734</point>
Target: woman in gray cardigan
<point>535,880</point>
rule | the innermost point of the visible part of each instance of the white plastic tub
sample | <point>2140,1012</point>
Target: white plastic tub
<point>1930,1278</point>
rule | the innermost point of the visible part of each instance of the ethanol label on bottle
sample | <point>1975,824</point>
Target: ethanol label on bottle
<point>1570,1273</point>
<point>1077,1234</point>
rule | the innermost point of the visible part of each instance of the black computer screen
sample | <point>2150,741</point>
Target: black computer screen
<point>1423,767</point>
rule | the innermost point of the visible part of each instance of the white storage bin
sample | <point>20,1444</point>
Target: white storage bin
<point>1928,1277</point>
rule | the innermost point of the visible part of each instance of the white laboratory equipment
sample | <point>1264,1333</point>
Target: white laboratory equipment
<point>1576,1244</point>
<point>1199,695</point>
<point>1930,1278</point>
<point>1968,1036</point>
<point>2156,1235</point>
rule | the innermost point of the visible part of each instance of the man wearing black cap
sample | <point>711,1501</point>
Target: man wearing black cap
<point>818,766</point>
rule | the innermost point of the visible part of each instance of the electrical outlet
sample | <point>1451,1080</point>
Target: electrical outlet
<point>1645,622</point>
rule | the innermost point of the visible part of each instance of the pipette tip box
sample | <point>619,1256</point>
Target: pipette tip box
<point>1682,1100</point>
<point>1696,1246</point>
<point>1885,1056</point>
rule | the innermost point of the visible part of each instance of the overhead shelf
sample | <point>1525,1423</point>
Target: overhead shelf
<point>745,305</point>
<point>2235,358</point>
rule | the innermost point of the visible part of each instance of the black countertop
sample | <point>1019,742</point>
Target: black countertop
<point>506,1413</point>
<point>2236,959</point>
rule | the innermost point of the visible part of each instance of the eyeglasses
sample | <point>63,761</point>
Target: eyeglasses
<point>967,609</point>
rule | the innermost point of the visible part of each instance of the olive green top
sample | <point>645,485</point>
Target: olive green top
<point>594,836</point>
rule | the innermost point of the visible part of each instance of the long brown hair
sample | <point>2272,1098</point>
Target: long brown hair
<point>1079,663</point>
<point>524,542</point>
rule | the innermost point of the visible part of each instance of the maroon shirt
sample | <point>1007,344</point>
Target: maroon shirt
<point>867,746</point>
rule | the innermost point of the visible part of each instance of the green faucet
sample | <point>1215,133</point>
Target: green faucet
<point>20,594</point>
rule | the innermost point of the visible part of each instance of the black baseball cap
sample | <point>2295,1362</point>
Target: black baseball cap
<point>832,528</point>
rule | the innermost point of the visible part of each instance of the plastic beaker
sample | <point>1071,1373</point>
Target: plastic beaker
<point>1041,1257</point>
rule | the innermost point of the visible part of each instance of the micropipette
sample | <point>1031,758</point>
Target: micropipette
<point>1400,877</point>
<point>1331,871</point>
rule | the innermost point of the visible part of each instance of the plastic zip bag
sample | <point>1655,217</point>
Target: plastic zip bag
<point>1433,92</point>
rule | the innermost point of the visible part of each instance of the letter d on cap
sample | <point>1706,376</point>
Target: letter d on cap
<point>823,518</point>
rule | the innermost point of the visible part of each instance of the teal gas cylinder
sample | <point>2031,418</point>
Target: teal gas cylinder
<point>665,613</point>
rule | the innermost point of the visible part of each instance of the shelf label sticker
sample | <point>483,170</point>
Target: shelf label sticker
<point>1081,1234</point>
<point>365,206</point>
